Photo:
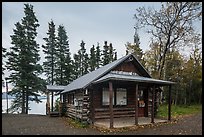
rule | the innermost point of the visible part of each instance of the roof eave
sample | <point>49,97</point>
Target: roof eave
<point>139,81</point>
<point>100,75</point>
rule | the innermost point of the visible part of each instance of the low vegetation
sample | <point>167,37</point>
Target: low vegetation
<point>179,110</point>
<point>77,123</point>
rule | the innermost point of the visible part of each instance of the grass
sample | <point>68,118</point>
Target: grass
<point>77,123</point>
<point>179,110</point>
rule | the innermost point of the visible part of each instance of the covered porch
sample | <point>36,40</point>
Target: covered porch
<point>113,79</point>
<point>126,122</point>
<point>54,90</point>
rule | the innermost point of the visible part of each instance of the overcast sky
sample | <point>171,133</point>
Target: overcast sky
<point>91,22</point>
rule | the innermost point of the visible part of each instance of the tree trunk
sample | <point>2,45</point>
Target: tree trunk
<point>23,102</point>
<point>27,101</point>
<point>176,96</point>
<point>185,99</point>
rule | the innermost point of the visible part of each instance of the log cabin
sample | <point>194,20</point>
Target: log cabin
<point>122,88</point>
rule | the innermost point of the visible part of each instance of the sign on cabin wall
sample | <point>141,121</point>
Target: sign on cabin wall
<point>124,73</point>
<point>141,103</point>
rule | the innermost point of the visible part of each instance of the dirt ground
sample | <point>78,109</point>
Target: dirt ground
<point>19,124</point>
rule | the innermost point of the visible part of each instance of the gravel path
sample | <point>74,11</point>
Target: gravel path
<point>19,124</point>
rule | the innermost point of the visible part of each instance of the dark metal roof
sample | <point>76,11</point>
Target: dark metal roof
<point>55,88</point>
<point>135,78</point>
<point>87,79</point>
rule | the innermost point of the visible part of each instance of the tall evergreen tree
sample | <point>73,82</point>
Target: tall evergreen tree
<point>51,57</point>
<point>108,54</point>
<point>83,58</point>
<point>23,61</point>
<point>3,56</point>
<point>105,54</point>
<point>85,63</point>
<point>64,68</point>
<point>15,58</point>
<point>135,48</point>
<point>115,56</point>
<point>50,54</point>
<point>92,59</point>
<point>111,53</point>
<point>76,67</point>
<point>98,56</point>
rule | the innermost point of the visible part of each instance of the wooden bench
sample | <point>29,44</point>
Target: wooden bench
<point>54,114</point>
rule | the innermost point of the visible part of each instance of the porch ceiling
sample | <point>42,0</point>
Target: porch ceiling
<point>54,88</point>
<point>134,78</point>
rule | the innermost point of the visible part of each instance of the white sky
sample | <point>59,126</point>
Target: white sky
<point>91,22</point>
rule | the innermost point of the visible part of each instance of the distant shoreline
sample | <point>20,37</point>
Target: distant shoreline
<point>4,94</point>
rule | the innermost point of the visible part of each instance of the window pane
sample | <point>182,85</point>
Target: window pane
<point>121,96</point>
<point>105,96</point>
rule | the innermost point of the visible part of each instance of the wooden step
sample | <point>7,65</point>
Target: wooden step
<point>54,114</point>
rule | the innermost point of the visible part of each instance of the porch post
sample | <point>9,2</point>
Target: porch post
<point>60,105</point>
<point>52,100</point>
<point>169,106</point>
<point>92,106</point>
<point>152,115</point>
<point>146,103</point>
<point>48,103</point>
<point>111,103</point>
<point>136,105</point>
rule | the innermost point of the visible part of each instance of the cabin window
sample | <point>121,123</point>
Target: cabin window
<point>105,96</point>
<point>78,99</point>
<point>121,96</point>
<point>71,99</point>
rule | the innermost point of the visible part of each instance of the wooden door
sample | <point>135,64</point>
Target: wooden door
<point>141,104</point>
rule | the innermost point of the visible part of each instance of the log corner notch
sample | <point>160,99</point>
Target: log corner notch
<point>111,103</point>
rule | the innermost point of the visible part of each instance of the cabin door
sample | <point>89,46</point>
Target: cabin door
<point>141,103</point>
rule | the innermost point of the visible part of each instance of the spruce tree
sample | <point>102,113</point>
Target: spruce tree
<point>64,67</point>
<point>49,65</point>
<point>135,48</point>
<point>23,61</point>
<point>111,53</point>
<point>15,59</point>
<point>92,59</point>
<point>50,54</point>
<point>76,67</point>
<point>98,56</point>
<point>105,54</point>
<point>3,56</point>
<point>85,63</point>
<point>115,56</point>
<point>83,59</point>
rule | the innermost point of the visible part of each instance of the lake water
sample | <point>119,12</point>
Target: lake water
<point>36,108</point>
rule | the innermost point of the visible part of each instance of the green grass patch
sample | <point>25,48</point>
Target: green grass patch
<point>77,123</point>
<point>178,110</point>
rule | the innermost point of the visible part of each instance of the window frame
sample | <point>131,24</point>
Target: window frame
<point>107,90</point>
<point>120,90</point>
<point>115,94</point>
